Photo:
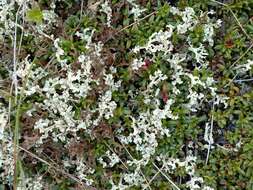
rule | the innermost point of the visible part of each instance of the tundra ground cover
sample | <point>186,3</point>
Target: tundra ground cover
<point>126,94</point>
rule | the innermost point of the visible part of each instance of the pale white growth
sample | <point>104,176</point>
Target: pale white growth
<point>131,1</point>
<point>194,80</point>
<point>119,186</point>
<point>208,34</point>
<point>42,126</point>
<point>146,144</point>
<point>158,42</point>
<point>209,84</point>
<point>86,35</point>
<point>136,10</point>
<point>200,53</point>
<point>98,48</point>
<point>6,160</point>
<point>113,70</point>
<point>211,12</point>
<point>194,97</point>
<point>61,115</point>
<point>82,58</point>
<point>23,68</point>
<point>159,114</point>
<point>209,81</point>
<point>137,163</point>
<point>174,11</point>
<point>209,28</point>
<point>109,81</point>
<point>219,21</point>
<point>114,159</point>
<point>102,162</point>
<point>77,83</point>
<point>63,123</point>
<point>133,179</point>
<point>189,20</point>
<point>207,188</point>
<point>35,183</point>
<point>193,184</point>
<point>137,64</point>
<point>25,71</point>
<point>130,179</point>
<point>219,99</point>
<point>106,106</point>
<point>245,67</point>
<point>37,74</point>
<point>82,171</point>
<point>209,31</point>
<point>7,18</point>
<point>175,62</point>
<point>64,90</point>
<point>194,100</point>
<point>49,21</point>
<point>105,8</point>
<point>59,52</point>
<point>238,145</point>
<point>49,16</point>
<point>4,6</point>
<point>6,148</point>
<point>147,128</point>
<point>197,183</point>
<point>156,79</point>
<point>171,164</point>
<point>1,156</point>
<point>208,136</point>
<point>3,120</point>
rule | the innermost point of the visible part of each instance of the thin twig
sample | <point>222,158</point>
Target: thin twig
<point>222,147</point>
<point>237,20</point>
<point>117,155</point>
<point>147,182</point>
<point>81,11</point>
<point>211,133</point>
<point>244,31</point>
<point>243,80</point>
<point>232,80</point>
<point>249,48</point>
<point>143,18</point>
<point>128,26</point>
<point>10,101</point>
<point>22,30</point>
<point>15,80</point>
<point>172,183</point>
<point>153,178</point>
<point>57,169</point>
<point>15,83</point>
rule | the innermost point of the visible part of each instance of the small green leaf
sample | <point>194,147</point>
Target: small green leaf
<point>164,10</point>
<point>34,15</point>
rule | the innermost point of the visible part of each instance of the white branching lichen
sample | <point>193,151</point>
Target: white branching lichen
<point>105,8</point>
<point>136,9</point>
<point>75,94</point>
<point>199,52</point>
